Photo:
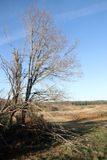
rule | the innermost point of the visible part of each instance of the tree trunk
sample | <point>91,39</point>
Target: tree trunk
<point>28,90</point>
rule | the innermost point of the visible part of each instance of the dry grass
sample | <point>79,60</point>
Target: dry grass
<point>70,113</point>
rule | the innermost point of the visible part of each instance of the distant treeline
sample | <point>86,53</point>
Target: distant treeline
<point>89,102</point>
<point>96,102</point>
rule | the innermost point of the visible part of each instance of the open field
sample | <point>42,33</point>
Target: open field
<point>64,113</point>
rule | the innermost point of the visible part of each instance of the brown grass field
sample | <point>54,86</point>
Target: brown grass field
<point>64,113</point>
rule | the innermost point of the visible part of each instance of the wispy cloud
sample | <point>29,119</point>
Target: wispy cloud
<point>9,39</point>
<point>71,15</point>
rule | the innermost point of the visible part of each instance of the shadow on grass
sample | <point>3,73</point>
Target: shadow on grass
<point>20,140</point>
<point>82,127</point>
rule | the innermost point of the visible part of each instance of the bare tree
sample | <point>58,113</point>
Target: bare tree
<point>14,73</point>
<point>47,56</point>
<point>48,53</point>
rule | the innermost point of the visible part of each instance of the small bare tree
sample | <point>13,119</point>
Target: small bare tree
<point>14,72</point>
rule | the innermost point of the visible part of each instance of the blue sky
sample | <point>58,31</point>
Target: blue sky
<point>82,20</point>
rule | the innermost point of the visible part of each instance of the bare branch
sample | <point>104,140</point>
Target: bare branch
<point>48,56</point>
